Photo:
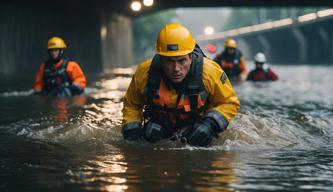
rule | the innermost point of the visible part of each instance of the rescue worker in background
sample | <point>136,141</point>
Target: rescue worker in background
<point>232,61</point>
<point>179,93</point>
<point>262,72</point>
<point>59,75</point>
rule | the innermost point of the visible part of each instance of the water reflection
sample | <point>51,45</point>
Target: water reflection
<point>109,166</point>
<point>280,140</point>
<point>127,169</point>
<point>219,174</point>
<point>58,107</point>
<point>116,188</point>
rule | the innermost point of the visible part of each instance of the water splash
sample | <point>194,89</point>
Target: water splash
<point>17,93</point>
<point>271,116</point>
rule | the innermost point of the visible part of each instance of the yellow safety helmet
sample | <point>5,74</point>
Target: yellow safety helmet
<point>230,43</point>
<point>56,43</point>
<point>174,40</point>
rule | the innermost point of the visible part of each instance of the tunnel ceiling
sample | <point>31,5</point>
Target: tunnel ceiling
<point>165,4</point>
<point>123,5</point>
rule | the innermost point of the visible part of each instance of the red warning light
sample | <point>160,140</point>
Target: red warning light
<point>211,48</point>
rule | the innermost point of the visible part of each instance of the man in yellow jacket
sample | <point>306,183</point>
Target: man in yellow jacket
<point>178,93</point>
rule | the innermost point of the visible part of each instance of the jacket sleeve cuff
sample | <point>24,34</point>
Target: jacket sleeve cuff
<point>76,89</point>
<point>77,85</point>
<point>220,120</point>
<point>131,126</point>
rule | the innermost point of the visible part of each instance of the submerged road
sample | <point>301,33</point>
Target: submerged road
<point>281,140</point>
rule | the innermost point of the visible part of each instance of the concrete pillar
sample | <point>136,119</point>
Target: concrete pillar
<point>302,44</point>
<point>325,39</point>
<point>8,48</point>
<point>283,13</point>
<point>265,45</point>
<point>262,15</point>
<point>331,46</point>
<point>116,37</point>
<point>25,29</point>
<point>293,13</point>
<point>245,48</point>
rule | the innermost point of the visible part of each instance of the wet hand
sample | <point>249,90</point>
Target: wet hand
<point>153,132</point>
<point>37,92</point>
<point>75,89</point>
<point>201,134</point>
<point>62,92</point>
<point>133,135</point>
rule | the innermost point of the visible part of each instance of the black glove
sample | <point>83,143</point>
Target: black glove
<point>202,132</point>
<point>75,89</point>
<point>133,135</point>
<point>153,132</point>
<point>132,132</point>
<point>61,92</point>
<point>37,92</point>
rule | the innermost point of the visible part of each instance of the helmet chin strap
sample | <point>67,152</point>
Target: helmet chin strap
<point>60,56</point>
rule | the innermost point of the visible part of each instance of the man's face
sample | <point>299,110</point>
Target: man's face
<point>230,50</point>
<point>259,65</point>
<point>176,67</point>
<point>54,53</point>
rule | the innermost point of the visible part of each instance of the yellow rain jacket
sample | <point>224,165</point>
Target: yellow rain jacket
<point>221,96</point>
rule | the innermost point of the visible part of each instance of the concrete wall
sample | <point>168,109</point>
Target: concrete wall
<point>304,44</point>
<point>26,27</point>
<point>25,30</point>
<point>116,38</point>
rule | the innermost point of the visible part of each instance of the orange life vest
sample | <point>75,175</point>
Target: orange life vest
<point>230,63</point>
<point>191,97</point>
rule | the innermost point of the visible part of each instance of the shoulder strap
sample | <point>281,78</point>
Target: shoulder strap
<point>63,72</point>
<point>238,55</point>
<point>65,64</point>
<point>48,64</point>
<point>154,78</point>
<point>195,84</point>
<point>192,89</point>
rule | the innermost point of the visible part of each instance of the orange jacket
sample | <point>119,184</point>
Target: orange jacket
<point>73,70</point>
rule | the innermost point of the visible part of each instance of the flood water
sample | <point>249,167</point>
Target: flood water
<point>281,140</point>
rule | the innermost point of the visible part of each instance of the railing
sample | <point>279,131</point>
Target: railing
<point>267,25</point>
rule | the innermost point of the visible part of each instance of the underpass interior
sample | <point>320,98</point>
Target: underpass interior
<point>100,34</point>
<point>280,140</point>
